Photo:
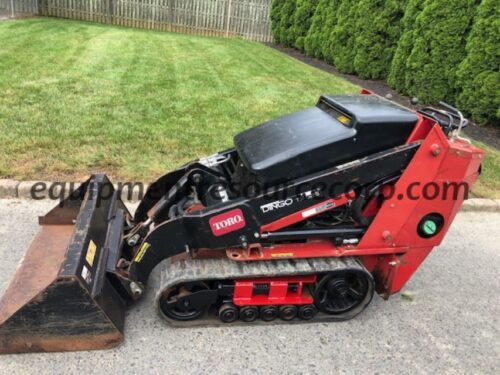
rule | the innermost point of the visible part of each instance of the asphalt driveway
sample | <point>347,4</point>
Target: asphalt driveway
<point>446,321</point>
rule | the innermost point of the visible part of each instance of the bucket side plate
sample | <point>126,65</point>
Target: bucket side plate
<point>50,304</point>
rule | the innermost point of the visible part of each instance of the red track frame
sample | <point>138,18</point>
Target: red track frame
<point>279,293</point>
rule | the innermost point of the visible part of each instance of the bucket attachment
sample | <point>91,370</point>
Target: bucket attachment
<point>61,297</point>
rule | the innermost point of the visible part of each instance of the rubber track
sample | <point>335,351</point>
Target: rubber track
<point>169,274</point>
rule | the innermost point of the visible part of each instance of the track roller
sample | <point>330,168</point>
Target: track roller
<point>249,313</point>
<point>307,312</point>
<point>268,313</point>
<point>228,313</point>
<point>288,312</point>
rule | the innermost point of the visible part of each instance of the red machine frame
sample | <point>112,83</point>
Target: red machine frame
<point>391,248</point>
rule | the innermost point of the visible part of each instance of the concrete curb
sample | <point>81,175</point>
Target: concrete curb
<point>10,189</point>
<point>46,190</point>
<point>481,205</point>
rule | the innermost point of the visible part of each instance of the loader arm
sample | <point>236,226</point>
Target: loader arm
<point>195,231</point>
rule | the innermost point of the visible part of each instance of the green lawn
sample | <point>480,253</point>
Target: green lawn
<point>488,185</point>
<point>78,97</point>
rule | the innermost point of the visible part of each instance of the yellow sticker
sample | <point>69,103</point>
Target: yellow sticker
<point>343,119</point>
<point>91,253</point>
<point>281,255</point>
<point>141,252</point>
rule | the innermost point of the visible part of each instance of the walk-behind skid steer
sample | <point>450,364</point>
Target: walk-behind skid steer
<point>302,220</point>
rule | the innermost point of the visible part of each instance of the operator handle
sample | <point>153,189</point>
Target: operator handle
<point>454,112</point>
<point>448,117</point>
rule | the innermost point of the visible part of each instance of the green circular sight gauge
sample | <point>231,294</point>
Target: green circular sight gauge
<point>429,227</point>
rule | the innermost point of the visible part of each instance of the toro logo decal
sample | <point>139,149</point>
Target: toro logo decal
<point>227,222</point>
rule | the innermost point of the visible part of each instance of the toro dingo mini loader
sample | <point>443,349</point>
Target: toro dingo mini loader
<point>303,220</point>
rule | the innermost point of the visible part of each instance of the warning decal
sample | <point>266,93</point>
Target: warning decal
<point>86,275</point>
<point>91,253</point>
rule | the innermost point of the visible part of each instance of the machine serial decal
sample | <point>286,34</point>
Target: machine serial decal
<point>227,222</point>
<point>317,210</point>
<point>91,253</point>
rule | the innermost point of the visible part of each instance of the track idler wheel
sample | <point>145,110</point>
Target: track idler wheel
<point>288,312</point>
<point>228,313</point>
<point>177,302</point>
<point>249,313</point>
<point>344,294</point>
<point>268,313</point>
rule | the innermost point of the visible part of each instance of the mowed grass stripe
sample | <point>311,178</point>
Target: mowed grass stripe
<point>77,97</point>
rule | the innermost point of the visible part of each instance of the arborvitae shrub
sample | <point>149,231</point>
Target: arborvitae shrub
<point>479,74</point>
<point>330,22</point>
<point>286,23</point>
<point>302,19</point>
<point>378,29</point>
<point>397,73</point>
<point>275,16</point>
<point>424,51</point>
<point>439,47</point>
<point>342,41</point>
<point>313,41</point>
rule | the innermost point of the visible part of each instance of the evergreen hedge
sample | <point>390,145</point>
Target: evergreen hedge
<point>275,16</point>
<point>378,29</point>
<point>343,37</point>
<point>479,73</point>
<point>330,22</point>
<point>315,38</point>
<point>302,19</point>
<point>432,49</point>
<point>397,73</point>
<point>282,18</point>
<point>439,47</point>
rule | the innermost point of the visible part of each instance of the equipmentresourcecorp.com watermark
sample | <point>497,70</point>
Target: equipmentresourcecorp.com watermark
<point>133,191</point>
